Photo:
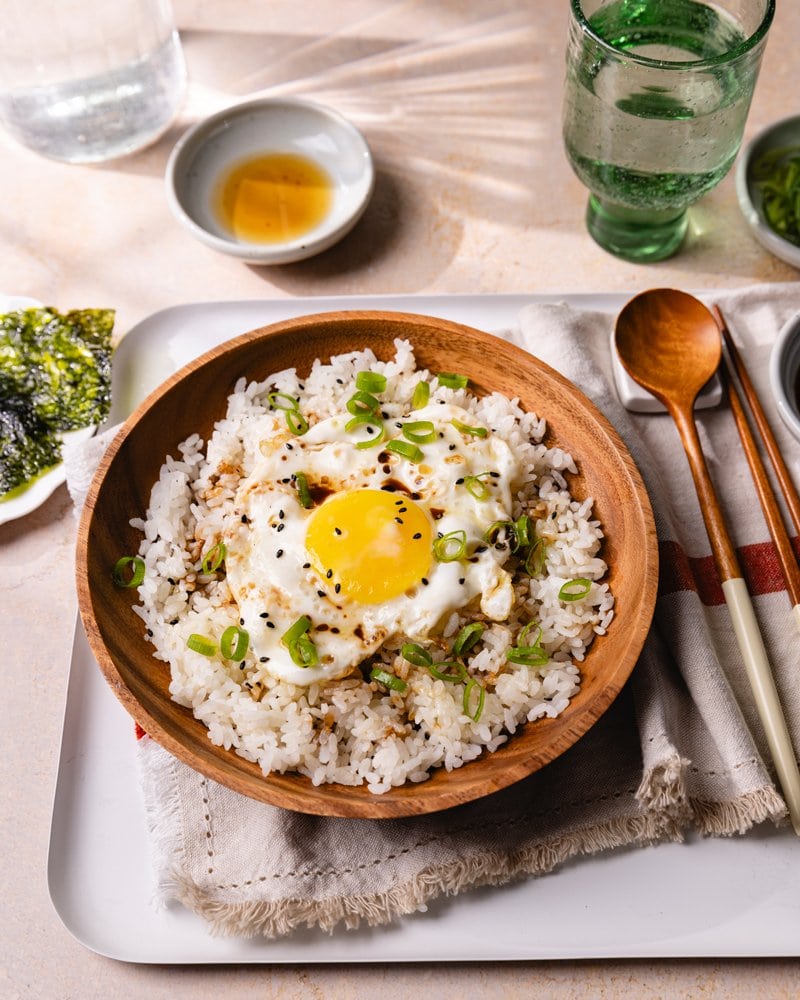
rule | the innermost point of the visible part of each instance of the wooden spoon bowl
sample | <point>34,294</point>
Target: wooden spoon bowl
<point>191,400</point>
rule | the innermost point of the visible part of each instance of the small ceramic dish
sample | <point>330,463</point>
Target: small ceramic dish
<point>784,374</point>
<point>780,134</point>
<point>331,151</point>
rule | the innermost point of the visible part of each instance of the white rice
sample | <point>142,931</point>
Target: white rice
<point>352,731</point>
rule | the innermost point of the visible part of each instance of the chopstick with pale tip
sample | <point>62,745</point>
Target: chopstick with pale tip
<point>766,496</point>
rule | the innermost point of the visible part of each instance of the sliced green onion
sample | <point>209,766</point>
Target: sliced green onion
<point>419,431</point>
<point>371,381</point>
<point>480,432</point>
<point>452,380</point>
<point>406,449</point>
<point>467,637</point>
<point>574,590</point>
<point>422,393</point>
<point>493,531</point>
<point>777,175</point>
<point>523,635</point>
<point>476,486</point>
<point>450,671</point>
<point>283,401</point>
<point>214,558</point>
<point>536,558</point>
<point>233,642</point>
<point>471,686</point>
<point>450,547</point>
<point>388,680</point>
<point>303,492</point>
<point>201,644</point>
<point>529,654</point>
<point>303,652</point>
<point>416,654</point>
<point>522,532</point>
<point>301,649</point>
<point>296,422</point>
<point>371,420</point>
<point>118,574</point>
<point>363,402</point>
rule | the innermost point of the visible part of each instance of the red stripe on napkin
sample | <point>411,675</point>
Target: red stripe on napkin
<point>759,562</point>
<point>139,731</point>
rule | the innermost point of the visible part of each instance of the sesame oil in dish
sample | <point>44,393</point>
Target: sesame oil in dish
<point>273,197</point>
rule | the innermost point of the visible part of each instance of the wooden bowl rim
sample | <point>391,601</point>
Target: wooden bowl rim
<point>295,791</point>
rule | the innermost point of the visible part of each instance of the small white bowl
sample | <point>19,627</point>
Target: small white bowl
<point>784,373</point>
<point>785,132</point>
<point>279,125</point>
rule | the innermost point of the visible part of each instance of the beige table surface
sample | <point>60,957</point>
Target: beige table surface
<point>461,104</point>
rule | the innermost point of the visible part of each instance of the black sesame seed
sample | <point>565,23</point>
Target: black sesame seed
<point>301,387</point>
<point>398,424</point>
<point>337,587</point>
<point>264,614</point>
<point>241,621</point>
<point>306,565</point>
<point>170,581</point>
<point>384,414</point>
<point>280,527</point>
<point>263,659</point>
<point>339,381</point>
<point>242,665</point>
<point>399,520</point>
<point>424,581</point>
<point>244,519</point>
<point>270,624</point>
<point>399,503</point>
<point>329,574</point>
<point>289,446</point>
<point>480,548</point>
<point>462,580</point>
<point>403,510</point>
<point>337,531</point>
<point>281,514</point>
<point>494,475</point>
<point>279,553</point>
<point>417,534</point>
<point>321,593</point>
<point>451,447</point>
<point>459,482</point>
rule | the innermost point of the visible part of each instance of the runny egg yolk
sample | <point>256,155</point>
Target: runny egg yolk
<point>374,544</point>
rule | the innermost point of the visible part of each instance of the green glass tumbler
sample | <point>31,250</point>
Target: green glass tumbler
<point>656,97</point>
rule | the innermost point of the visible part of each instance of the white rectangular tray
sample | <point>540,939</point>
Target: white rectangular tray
<point>737,897</point>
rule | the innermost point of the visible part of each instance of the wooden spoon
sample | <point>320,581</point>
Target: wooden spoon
<point>669,343</point>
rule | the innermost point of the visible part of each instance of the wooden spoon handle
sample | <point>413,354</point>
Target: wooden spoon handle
<point>721,545</point>
<point>765,694</point>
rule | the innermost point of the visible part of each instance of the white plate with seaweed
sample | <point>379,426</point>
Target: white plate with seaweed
<point>31,494</point>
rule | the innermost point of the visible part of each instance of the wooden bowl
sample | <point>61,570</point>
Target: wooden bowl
<point>192,399</point>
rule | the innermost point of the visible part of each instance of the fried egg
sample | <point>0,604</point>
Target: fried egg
<point>359,560</point>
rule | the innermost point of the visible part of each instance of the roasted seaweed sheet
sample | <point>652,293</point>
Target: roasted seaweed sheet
<point>55,376</point>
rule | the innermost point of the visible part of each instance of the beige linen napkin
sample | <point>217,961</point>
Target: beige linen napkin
<point>680,749</point>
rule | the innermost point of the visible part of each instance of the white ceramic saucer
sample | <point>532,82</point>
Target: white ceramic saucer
<point>261,127</point>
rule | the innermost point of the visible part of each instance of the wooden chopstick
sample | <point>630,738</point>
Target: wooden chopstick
<point>766,496</point>
<point>787,487</point>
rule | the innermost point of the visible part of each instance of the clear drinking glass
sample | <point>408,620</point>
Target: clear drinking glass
<point>88,80</point>
<point>657,94</point>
